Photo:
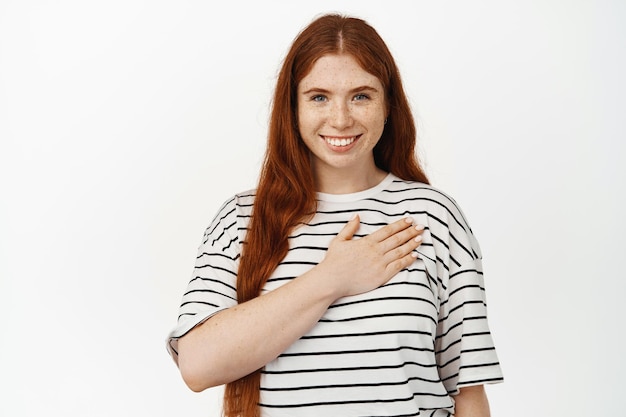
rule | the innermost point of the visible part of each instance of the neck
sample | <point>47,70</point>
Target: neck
<point>341,182</point>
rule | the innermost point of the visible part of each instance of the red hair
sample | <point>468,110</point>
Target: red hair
<point>286,192</point>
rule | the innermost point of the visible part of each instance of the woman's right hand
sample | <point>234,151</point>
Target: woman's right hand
<point>354,266</point>
<point>244,338</point>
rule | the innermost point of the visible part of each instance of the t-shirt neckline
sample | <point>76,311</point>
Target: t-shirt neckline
<point>360,195</point>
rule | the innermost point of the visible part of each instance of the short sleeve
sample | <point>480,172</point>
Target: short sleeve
<point>464,347</point>
<point>465,350</point>
<point>212,287</point>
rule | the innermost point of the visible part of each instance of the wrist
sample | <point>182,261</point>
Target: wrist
<point>324,283</point>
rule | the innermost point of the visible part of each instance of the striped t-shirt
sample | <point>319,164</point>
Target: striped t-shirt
<point>403,349</point>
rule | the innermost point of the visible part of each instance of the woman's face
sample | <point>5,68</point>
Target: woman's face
<point>341,116</point>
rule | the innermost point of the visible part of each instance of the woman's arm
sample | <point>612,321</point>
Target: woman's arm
<point>242,339</point>
<point>472,402</point>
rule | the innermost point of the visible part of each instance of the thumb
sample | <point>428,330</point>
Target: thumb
<point>350,228</point>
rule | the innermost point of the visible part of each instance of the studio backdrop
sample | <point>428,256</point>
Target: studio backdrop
<point>124,125</point>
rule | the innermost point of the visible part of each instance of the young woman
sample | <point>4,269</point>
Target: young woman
<point>344,284</point>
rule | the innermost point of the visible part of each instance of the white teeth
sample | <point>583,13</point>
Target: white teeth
<point>340,142</point>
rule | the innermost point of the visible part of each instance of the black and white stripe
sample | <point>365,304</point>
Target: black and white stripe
<point>400,350</point>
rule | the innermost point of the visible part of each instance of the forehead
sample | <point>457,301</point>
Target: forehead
<point>338,72</point>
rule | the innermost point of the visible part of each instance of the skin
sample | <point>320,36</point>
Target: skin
<point>350,267</point>
<point>472,402</point>
<point>266,322</point>
<point>337,100</point>
<point>340,100</point>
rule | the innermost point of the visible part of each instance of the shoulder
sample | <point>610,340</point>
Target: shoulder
<point>244,201</point>
<point>233,215</point>
<point>236,204</point>
<point>435,199</point>
<point>446,221</point>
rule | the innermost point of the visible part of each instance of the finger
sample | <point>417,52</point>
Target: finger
<point>405,251</point>
<point>401,237</point>
<point>350,228</point>
<point>391,229</point>
<point>401,263</point>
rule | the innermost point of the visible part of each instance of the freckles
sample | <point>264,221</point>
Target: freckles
<point>372,114</point>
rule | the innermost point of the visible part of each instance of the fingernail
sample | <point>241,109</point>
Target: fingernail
<point>418,239</point>
<point>408,219</point>
<point>419,227</point>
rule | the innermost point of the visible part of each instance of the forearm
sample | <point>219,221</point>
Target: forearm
<point>472,402</point>
<point>242,339</point>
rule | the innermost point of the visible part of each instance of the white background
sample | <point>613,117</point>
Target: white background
<point>125,124</point>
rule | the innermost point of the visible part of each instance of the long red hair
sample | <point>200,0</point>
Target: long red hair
<point>286,192</point>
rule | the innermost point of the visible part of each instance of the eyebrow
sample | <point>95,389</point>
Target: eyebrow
<point>354,90</point>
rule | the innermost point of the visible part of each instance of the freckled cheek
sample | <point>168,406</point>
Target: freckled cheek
<point>309,120</point>
<point>373,118</point>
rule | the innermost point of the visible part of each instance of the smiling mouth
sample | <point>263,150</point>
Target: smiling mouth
<point>340,142</point>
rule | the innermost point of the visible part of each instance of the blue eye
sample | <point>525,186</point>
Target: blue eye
<point>319,98</point>
<point>360,97</point>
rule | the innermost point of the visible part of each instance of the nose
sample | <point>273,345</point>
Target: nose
<point>340,115</point>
